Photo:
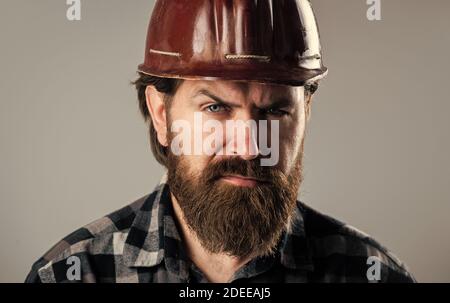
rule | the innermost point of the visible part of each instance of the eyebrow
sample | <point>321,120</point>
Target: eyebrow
<point>207,93</point>
<point>278,103</point>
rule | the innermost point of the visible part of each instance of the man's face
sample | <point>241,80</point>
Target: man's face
<point>225,101</point>
<point>233,203</point>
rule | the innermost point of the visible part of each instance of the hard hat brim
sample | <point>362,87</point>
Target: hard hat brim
<point>292,77</point>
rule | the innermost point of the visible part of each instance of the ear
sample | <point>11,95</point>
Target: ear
<point>157,109</point>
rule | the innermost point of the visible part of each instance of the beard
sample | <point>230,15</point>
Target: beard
<point>234,220</point>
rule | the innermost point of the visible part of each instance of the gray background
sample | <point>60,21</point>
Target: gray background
<point>74,147</point>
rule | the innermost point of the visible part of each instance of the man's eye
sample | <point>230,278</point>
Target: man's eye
<point>215,108</point>
<point>276,112</point>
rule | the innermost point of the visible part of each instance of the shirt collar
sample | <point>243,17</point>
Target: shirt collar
<point>154,236</point>
<point>144,244</point>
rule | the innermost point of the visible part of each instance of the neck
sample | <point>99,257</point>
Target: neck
<point>217,267</point>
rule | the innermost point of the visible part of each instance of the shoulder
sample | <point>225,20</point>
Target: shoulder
<point>340,249</point>
<point>95,242</point>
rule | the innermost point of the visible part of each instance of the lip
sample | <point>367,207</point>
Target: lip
<point>242,181</point>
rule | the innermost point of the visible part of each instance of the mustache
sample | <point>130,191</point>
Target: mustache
<point>238,166</point>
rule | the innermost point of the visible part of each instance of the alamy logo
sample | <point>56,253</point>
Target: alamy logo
<point>230,137</point>
<point>74,10</point>
<point>373,273</point>
<point>374,10</point>
<point>74,271</point>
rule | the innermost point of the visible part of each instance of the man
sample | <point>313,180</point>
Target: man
<point>226,87</point>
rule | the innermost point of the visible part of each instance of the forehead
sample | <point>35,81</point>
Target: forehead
<point>243,92</point>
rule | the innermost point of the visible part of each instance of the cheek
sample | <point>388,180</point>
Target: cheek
<point>194,165</point>
<point>186,130</point>
<point>193,134</point>
<point>291,137</point>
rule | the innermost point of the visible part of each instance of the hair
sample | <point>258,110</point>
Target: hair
<point>169,86</point>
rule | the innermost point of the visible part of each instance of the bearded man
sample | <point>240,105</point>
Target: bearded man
<point>224,214</point>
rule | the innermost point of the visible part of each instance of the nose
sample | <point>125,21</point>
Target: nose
<point>250,148</point>
<point>242,138</point>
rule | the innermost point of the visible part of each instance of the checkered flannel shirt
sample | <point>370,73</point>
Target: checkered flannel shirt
<point>141,243</point>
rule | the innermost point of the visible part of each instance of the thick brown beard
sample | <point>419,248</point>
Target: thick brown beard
<point>238,221</point>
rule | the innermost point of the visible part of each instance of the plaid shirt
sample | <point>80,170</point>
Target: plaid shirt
<point>141,243</point>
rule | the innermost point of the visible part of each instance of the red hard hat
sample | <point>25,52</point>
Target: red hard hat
<point>269,41</point>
